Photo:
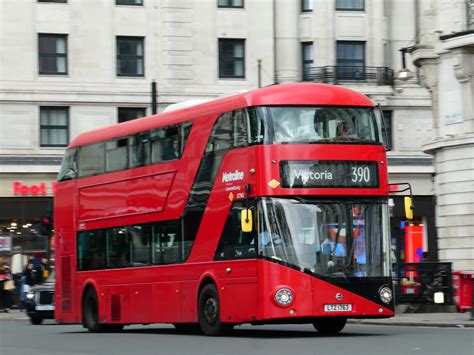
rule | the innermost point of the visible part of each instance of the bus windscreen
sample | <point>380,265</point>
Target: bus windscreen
<point>304,124</point>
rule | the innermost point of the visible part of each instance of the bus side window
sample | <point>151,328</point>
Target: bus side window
<point>68,169</point>
<point>117,248</point>
<point>139,149</point>
<point>116,156</point>
<point>140,236</point>
<point>92,159</point>
<point>167,243</point>
<point>221,136</point>
<point>91,250</point>
<point>240,129</point>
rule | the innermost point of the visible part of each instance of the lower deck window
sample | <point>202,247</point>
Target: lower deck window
<point>130,246</point>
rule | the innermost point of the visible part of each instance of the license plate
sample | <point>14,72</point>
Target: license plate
<point>45,307</point>
<point>337,307</point>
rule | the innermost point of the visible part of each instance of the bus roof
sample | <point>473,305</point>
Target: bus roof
<point>284,94</point>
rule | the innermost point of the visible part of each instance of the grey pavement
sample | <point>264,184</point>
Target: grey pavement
<point>459,320</point>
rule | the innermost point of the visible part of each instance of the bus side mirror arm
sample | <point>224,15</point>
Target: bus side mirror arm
<point>384,128</point>
<point>408,200</point>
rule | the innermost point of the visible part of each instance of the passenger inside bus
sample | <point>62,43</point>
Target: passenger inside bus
<point>172,150</point>
<point>343,130</point>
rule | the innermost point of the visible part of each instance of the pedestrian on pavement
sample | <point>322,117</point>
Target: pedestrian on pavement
<point>26,281</point>
<point>7,285</point>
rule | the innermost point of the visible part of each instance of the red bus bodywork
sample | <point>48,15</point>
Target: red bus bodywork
<point>169,293</point>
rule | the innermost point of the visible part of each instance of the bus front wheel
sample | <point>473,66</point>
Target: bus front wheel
<point>90,315</point>
<point>209,312</point>
<point>330,325</point>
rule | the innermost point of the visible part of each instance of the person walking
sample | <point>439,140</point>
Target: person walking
<point>26,281</point>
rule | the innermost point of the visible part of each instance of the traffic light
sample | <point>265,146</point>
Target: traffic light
<point>45,226</point>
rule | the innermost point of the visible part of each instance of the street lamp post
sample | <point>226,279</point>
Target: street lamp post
<point>404,73</point>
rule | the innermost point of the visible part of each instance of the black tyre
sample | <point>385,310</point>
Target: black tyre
<point>209,312</point>
<point>330,325</point>
<point>187,327</point>
<point>90,315</point>
<point>36,320</point>
<point>90,312</point>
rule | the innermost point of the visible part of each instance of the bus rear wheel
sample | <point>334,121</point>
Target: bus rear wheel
<point>90,315</point>
<point>209,312</point>
<point>330,325</point>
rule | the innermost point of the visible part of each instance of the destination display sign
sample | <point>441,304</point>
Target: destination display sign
<point>329,173</point>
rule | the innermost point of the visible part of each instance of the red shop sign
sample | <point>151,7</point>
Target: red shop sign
<point>34,190</point>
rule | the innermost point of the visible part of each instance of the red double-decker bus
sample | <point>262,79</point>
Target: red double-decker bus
<point>264,207</point>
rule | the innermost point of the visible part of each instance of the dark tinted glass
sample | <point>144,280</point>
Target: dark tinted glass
<point>91,250</point>
<point>130,113</point>
<point>231,58</point>
<point>235,244</point>
<point>140,244</point>
<point>52,53</point>
<point>167,243</point>
<point>130,56</point>
<point>117,248</point>
<point>129,2</point>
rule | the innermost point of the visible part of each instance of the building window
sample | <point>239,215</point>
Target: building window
<point>56,1</point>
<point>129,2</point>
<point>306,5</point>
<point>130,113</point>
<point>231,58</point>
<point>350,60</point>
<point>387,128</point>
<point>308,59</point>
<point>350,5</point>
<point>130,56</point>
<point>54,126</point>
<point>52,50</point>
<point>238,4</point>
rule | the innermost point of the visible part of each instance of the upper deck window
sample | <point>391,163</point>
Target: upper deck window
<point>305,124</point>
<point>129,152</point>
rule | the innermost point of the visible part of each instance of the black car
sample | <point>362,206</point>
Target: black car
<point>40,301</point>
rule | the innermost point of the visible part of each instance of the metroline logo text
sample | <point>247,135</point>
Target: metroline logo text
<point>233,176</point>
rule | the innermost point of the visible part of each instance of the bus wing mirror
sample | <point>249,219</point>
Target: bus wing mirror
<point>246,220</point>
<point>408,207</point>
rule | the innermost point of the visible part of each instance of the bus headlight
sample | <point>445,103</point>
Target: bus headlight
<point>30,295</point>
<point>284,297</point>
<point>386,294</point>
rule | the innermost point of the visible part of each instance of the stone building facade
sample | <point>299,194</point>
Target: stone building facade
<point>65,70</point>
<point>445,54</point>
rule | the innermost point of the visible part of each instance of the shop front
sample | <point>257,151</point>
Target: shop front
<point>26,202</point>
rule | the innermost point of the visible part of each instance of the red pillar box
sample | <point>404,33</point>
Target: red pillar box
<point>462,289</point>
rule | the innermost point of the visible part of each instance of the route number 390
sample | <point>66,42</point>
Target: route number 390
<point>360,174</point>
